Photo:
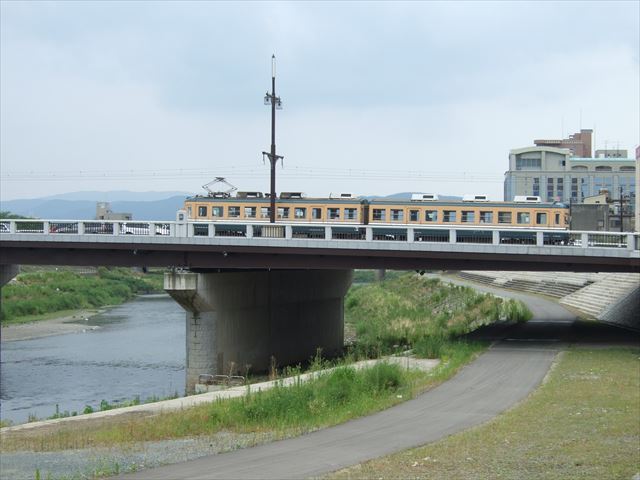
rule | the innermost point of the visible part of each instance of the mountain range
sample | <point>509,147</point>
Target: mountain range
<point>143,205</point>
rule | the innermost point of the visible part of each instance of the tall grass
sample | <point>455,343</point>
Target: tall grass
<point>331,398</point>
<point>44,292</point>
<point>424,314</point>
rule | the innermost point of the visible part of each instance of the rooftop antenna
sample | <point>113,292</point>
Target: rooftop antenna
<point>276,103</point>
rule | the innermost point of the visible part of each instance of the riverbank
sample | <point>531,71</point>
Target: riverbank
<point>69,321</point>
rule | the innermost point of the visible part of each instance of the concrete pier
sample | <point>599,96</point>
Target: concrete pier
<point>238,320</point>
<point>8,273</point>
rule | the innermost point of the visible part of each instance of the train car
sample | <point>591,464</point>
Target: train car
<point>347,209</point>
<point>469,213</point>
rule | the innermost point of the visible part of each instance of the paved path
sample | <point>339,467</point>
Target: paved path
<point>497,380</point>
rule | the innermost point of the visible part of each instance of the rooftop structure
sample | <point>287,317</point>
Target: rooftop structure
<point>579,144</point>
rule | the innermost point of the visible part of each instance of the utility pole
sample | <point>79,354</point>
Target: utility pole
<point>621,216</point>
<point>276,103</point>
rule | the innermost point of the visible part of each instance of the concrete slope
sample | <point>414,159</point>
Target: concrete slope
<point>596,298</point>
<point>497,380</point>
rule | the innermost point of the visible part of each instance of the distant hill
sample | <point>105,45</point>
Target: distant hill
<point>117,196</point>
<point>82,205</point>
<point>143,205</point>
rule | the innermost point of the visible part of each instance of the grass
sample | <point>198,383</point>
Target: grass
<point>583,422</point>
<point>40,295</point>
<point>424,314</point>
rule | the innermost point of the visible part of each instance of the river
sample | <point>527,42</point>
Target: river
<point>138,350</point>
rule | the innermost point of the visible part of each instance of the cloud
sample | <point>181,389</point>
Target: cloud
<point>446,88</point>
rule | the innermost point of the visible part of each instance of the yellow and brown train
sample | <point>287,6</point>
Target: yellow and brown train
<point>347,209</point>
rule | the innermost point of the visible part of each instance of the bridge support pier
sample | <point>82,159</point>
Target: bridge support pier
<point>7,273</point>
<point>241,318</point>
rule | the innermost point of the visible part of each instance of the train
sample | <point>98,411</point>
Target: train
<point>422,209</point>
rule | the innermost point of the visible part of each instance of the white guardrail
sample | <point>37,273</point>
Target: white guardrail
<point>374,233</point>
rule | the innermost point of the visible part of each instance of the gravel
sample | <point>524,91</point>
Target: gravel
<point>88,463</point>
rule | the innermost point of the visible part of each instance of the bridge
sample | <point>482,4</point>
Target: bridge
<point>252,291</point>
<point>201,245</point>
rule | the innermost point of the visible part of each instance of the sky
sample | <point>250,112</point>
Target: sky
<point>378,97</point>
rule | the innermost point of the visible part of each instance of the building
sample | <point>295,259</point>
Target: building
<point>609,153</point>
<point>103,212</point>
<point>579,143</point>
<point>554,174</point>
<point>637,187</point>
<point>601,213</point>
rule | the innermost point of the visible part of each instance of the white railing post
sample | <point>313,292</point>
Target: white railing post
<point>12,226</point>
<point>190,229</point>
<point>288,231</point>
<point>45,227</point>
<point>452,235</point>
<point>211,230</point>
<point>368,234</point>
<point>539,239</point>
<point>152,229</point>
<point>631,241</point>
<point>80,228</point>
<point>495,237</point>
<point>327,233</point>
<point>410,235</point>
<point>584,240</point>
<point>116,227</point>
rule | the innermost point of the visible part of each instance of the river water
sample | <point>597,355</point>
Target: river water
<point>139,350</point>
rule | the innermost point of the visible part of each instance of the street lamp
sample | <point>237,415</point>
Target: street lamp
<point>276,103</point>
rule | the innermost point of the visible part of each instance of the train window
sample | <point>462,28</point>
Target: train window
<point>486,217</point>
<point>541,218</point>
<point>468,216</point>
<point>265,212</point>
<point>397,215</point>
<point>202,211</point>
<point>316,213</point>
<point>431,216</point>
<point>250,212</point>
<point>504,217</point>
<point>414,215</point>
<point>524,217</point>
<point>234,212</point>
<point>350,214</point>
<point>449,216</point>
<point>283,212</point>
<point>217,212</point>
<point>300,212</point>
<point>379,214</point>
<point>333,213</point>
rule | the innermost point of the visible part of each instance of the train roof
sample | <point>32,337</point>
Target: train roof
<point>379,201</point>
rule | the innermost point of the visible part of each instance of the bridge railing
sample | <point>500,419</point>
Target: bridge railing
<point>378,233</point>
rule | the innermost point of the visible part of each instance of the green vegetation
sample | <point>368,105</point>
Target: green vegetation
<point>582,423</point>
<point>6,214</point>
<point>369,276</point>
<point>41,293</point>
<point>424,314</point>
<point>331,398</point>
